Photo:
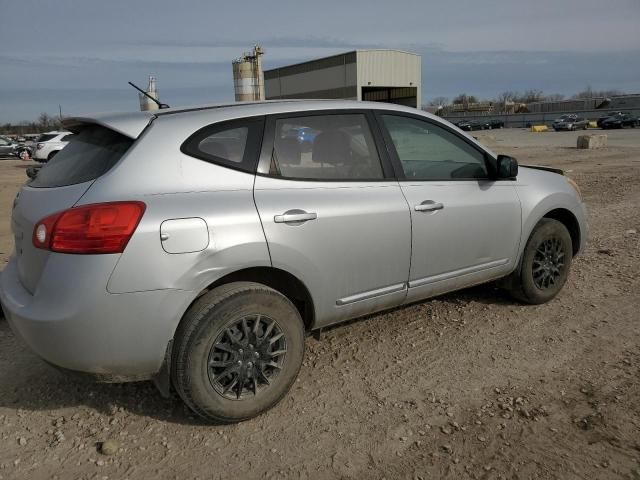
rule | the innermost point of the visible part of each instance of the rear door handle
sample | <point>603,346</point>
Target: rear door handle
<point>428,206</point>
<point>295,216</point>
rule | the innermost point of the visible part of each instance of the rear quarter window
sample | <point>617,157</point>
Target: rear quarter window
<point>234,143</point>
<point>90,154</point>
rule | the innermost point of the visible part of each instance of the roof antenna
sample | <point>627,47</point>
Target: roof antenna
<point>160,105</point>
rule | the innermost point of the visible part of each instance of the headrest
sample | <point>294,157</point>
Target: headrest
<point>332,147</point>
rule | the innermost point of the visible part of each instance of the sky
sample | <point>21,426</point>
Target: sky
<point>80,53</point>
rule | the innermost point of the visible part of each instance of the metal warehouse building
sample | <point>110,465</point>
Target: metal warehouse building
<point>375,75</point>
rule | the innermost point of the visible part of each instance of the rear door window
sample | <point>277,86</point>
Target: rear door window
<point>92,153</point>
<point>325,147</point>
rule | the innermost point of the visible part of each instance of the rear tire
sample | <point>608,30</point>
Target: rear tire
<point>546,262</point>
<point>237,352</point>
<point>51,155</point>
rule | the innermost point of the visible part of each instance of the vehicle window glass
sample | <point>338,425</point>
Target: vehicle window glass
<point>67,138</point>
<point>92,153</point>
<point>227,145</point>
<point>234,144</point>
<point>325,147</point>
<point>45,137</point>
<point>430,152</point>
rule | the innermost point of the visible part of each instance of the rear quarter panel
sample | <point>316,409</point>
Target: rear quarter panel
<point>174,185</point>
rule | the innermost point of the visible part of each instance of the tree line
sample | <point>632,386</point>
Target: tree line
<point>528,96</point>
<point>44,123</point>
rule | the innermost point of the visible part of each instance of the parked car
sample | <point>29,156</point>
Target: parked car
<point>7,147</point>
<point>570,122</point>
<point>619,120</point>
<point>604,117</point>
<point>471,125</point>
<point>49,144</point>
<point>197,251</point>
<point>10,148</point>
<point>495,123</point>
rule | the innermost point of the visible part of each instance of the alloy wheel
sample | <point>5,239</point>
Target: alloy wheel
<point>548,263</point>
<point>247,357</point>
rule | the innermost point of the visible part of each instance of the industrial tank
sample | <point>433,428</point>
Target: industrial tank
<point>145,102</point>
<point>248,79</point>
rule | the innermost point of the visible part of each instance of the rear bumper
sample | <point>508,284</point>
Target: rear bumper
<point>77,325</point>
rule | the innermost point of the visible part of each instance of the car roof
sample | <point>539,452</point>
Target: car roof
<point>132,124</point>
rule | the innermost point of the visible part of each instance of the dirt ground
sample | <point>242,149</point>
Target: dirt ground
<point>468,385</point>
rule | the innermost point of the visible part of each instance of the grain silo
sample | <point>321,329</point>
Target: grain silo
<point>145,102</point>
<point>248,79</point>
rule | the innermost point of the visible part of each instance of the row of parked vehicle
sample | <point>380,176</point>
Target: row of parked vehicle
<point>610,120</point>
<point>43,149</point>
<point>479,124</point>
<point>567,122</point>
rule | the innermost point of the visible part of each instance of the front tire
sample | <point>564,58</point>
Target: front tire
<point>546,262</point>
<point>237,352</point>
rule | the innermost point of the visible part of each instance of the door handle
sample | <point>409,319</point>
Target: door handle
<point>295,216</point>
<point>428,206</point>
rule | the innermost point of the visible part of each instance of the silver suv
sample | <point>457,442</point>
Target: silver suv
<point>197,247</point>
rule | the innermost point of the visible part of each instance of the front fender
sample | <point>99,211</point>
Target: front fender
<point>542,192</point>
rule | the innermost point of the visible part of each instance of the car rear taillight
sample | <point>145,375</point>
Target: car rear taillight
<point>39,146</point>
<point>89,229</point>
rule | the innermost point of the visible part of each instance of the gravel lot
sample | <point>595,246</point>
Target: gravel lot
<point>469,385</point>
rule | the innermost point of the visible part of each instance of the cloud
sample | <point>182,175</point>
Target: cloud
<point>93,48</point>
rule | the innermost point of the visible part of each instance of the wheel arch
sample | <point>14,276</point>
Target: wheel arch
<point>280,280</point>
<point>569,220</point>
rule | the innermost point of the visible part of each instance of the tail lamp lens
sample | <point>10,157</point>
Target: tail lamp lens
<point>90,229</point>
<point>39,146</point>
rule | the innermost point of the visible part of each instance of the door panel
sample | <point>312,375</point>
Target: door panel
<point>465,226</point>
<point>472,238</point>
<point>353,256</point>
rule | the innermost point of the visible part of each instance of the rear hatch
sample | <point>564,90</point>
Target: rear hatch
<point>58,186</point>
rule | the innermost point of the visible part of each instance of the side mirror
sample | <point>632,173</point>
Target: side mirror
<point>507,167</point>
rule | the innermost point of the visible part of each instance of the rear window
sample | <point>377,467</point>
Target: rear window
<point>90,154</point>
<point>45,137</point>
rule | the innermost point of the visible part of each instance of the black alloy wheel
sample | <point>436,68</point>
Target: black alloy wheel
<point>548,263</point>
<point>246,357</point>
<point>545,263</point>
